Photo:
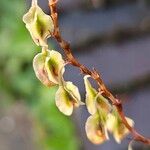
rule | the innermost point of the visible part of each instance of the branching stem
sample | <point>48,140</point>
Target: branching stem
<point>93,73</point>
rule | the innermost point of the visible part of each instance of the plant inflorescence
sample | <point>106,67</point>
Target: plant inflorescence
<point>106,111</point>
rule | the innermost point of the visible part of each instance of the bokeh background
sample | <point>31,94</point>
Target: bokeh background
<point>110,35</point>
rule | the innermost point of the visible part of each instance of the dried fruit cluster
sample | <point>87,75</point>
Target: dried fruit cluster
<point>49,68</point>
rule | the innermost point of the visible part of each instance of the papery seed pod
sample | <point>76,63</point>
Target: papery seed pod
<point>39,24</point>
<point>95,130</point>
<point>130,146</point>
<point>90,96</point>
<point>94,100</point>
<point>116,126</point>
<point>48,67</point>
<point>39,68</point>
<point>67,97</point>
<point>102,104</point>
<point>54,66</point>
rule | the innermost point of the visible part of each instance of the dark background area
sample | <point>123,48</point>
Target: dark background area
<point>111,35</point>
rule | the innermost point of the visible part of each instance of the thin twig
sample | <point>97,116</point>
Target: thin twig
<point>93,73</point>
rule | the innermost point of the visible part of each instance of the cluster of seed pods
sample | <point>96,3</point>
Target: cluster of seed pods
<point>49,67</point>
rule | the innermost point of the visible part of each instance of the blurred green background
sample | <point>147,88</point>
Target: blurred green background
<point>24,101</point>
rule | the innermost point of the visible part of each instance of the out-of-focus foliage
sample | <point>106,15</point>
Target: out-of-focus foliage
<point>18,81</point>
<point>54,129</point>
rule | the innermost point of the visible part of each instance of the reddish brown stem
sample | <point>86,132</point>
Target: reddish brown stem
<point>93,73</point>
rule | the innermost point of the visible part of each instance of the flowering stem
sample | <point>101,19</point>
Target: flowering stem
<point>93,73</point>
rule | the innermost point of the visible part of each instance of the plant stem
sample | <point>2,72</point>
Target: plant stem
<point>93,73</point>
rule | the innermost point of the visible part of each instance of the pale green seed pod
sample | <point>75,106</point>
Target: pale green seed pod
<point>130,145</point>
<point>94,100</point>
<point>54,66</point>
<point>49,67</point>
<point>95,130</point>
<point>67,97</point>
<point>117,128</point>
<point>90,96</point>
<point>39,24</point>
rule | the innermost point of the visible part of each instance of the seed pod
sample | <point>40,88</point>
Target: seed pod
<point>94,100</point>
<point>116,126</point>
<point>54,66</point>
<point>95,130</point>
<point>49,67</point>
<point>39,24</point>
<point>67,97</point>
<point>90,96</point>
